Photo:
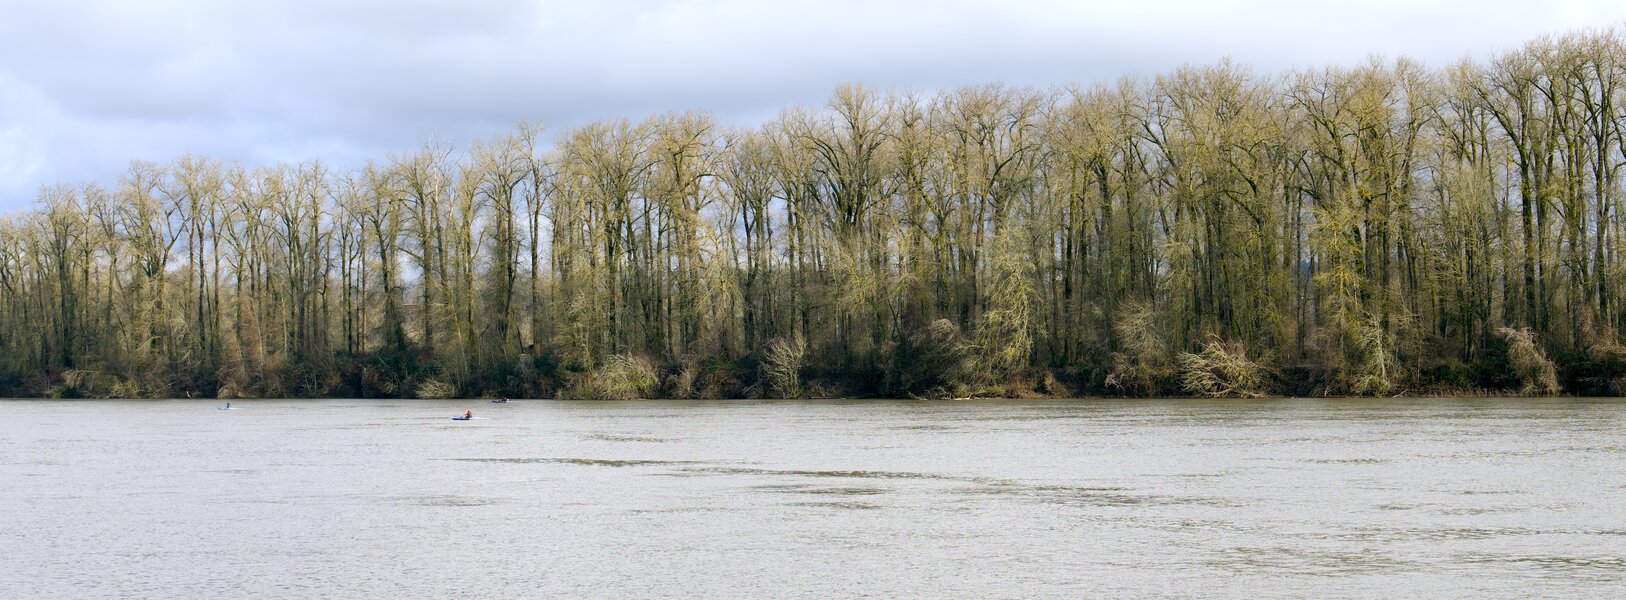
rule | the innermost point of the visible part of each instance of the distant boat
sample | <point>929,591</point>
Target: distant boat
<point>461,418</point>
<point>502,401</point>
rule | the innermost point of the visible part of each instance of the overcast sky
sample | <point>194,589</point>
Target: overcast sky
<point>87,86</point>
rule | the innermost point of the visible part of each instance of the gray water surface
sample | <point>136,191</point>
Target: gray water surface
<point>1061,499</point>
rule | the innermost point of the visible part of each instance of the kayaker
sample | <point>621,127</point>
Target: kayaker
<point>468,414</point>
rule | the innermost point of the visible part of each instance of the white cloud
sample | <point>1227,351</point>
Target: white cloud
<point>87,85</point>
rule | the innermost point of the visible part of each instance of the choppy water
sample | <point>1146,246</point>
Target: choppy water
<point>382,499</point>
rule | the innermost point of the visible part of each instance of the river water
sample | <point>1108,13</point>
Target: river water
<point>1062,499</point>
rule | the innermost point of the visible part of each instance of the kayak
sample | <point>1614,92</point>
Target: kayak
<point>460,418</point>
<point>499,402</point>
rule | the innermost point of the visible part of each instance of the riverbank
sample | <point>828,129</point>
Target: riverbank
<point>946,368</point>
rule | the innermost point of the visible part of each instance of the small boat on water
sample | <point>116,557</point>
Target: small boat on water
<point>502,401</point>
<point>462,418</point>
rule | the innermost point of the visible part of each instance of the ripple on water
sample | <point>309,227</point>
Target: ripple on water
<point>1096,496</point>
<point>454,501</point>
<point>605,437</point>
<point>931,427</point>
<point>838,505</point>
<point>591,462</point>
<point>1412,534</point>
<point>1399,506</point>
<point>830,474</point>
<point>823,490</point>
<point>1348,461</point>
<point>1472,511</point>
<point>680,510</point>
<point>1307,561</point>
<point>1590,568</point>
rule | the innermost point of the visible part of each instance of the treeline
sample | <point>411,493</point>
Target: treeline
<point>1374,230</point>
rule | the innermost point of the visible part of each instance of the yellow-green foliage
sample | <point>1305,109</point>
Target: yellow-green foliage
<point>782,366</point>
<point>1534,370</point>
<point>683,383</point>
<point>623,377</point>
<point>126,388</point>
<point>1005,335</point>
<point>229,390</point>
<point>1221,370</point>
<point>1143,364</point>
<point>1378,369</point>
<point>93,384</point>
<point>435,389</point>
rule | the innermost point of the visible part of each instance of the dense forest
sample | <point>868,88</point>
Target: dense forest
<point>1371,230</point>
